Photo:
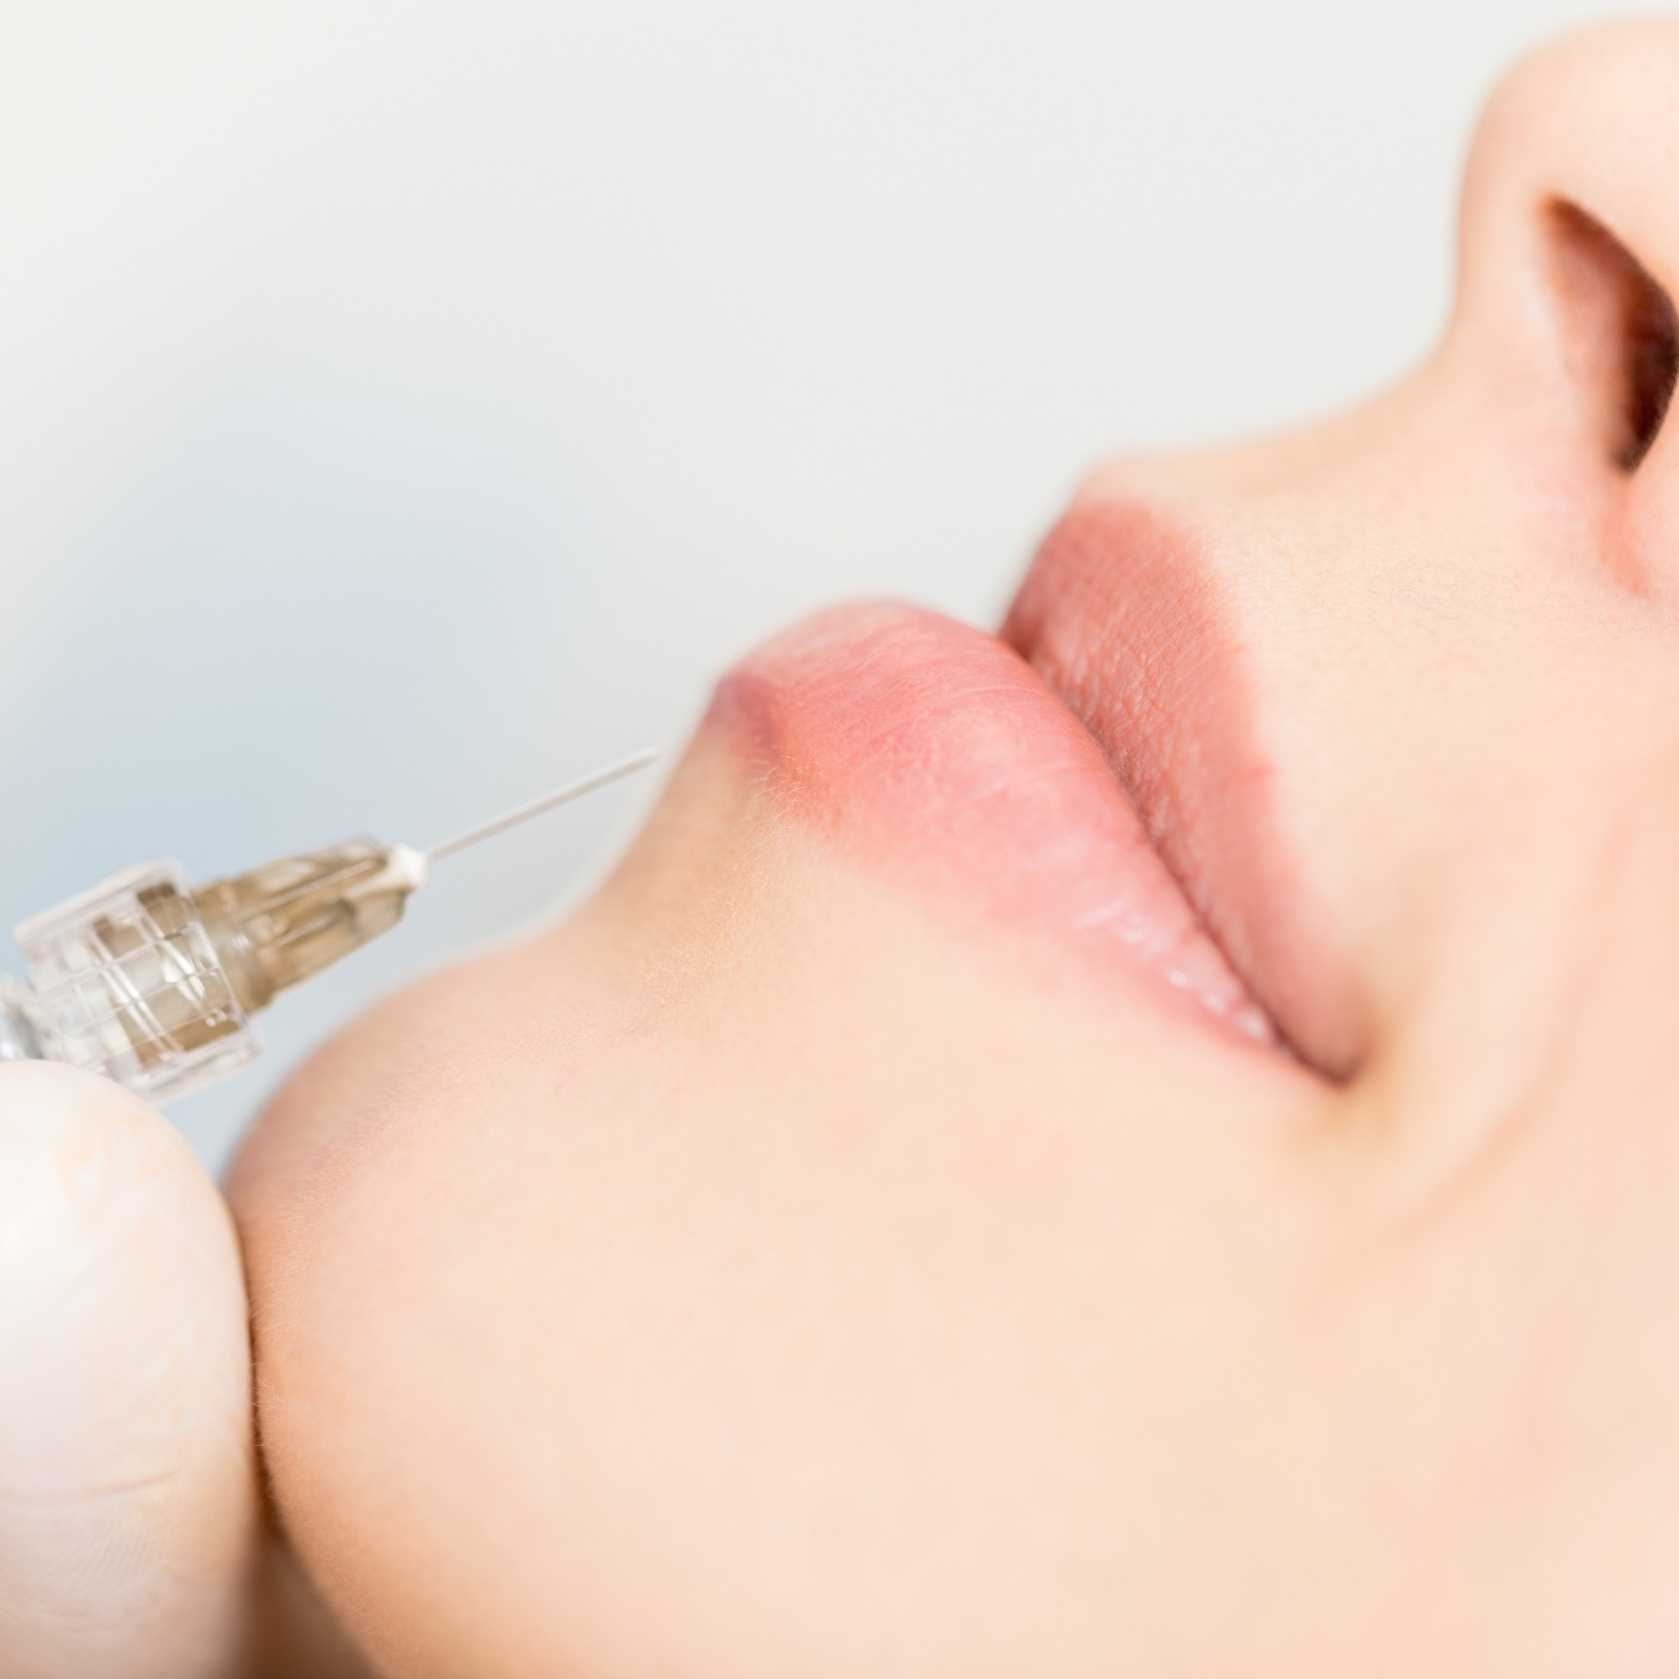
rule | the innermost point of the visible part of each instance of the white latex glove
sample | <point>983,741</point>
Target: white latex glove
<point>133,1539</point>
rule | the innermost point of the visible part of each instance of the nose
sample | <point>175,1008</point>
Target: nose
<point>1569,259</point>
<point>1455,602</point>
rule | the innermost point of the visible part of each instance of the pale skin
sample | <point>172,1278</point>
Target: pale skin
<point>774,1271</point>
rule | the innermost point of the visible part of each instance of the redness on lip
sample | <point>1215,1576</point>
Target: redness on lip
<point>936,755</point>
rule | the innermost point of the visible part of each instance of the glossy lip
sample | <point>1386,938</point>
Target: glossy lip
<point>1122,618</point>
<point>937,754</point>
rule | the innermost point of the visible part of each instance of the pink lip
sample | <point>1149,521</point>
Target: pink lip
<point>937,755</point>
<point>1121,617</point>
<point>1093,775</point>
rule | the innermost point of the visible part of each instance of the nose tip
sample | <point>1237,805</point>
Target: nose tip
<point>1568,262</point>
<point>1592,120</point>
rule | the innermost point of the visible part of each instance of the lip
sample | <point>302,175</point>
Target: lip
<point>1093,774</point>
<point>1123,617</point>
<point>939,755</point>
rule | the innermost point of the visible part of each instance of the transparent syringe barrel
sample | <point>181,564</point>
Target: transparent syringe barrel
<point>126,981</point>
<point>154,983</point>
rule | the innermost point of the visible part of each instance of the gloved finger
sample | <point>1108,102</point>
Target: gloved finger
<point>131,1538</point>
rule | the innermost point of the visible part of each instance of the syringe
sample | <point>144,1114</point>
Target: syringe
<point>153,982</point>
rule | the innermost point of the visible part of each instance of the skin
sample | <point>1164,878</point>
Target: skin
<point>783,1268</point>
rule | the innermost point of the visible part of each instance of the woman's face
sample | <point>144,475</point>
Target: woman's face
<point>1144,1144</point>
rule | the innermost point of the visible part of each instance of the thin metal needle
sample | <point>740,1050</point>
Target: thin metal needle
<point>564,795</point>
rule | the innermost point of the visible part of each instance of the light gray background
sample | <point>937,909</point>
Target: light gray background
<point>408,406</point>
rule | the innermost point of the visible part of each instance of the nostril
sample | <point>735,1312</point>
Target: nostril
<point>1621,332</point>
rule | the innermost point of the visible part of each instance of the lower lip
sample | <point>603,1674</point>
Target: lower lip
<point>936,756</point>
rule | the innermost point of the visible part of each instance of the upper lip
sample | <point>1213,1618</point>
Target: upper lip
<point>1122,618</point>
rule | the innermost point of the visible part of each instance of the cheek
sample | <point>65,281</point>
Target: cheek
<point>712,1285</point>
